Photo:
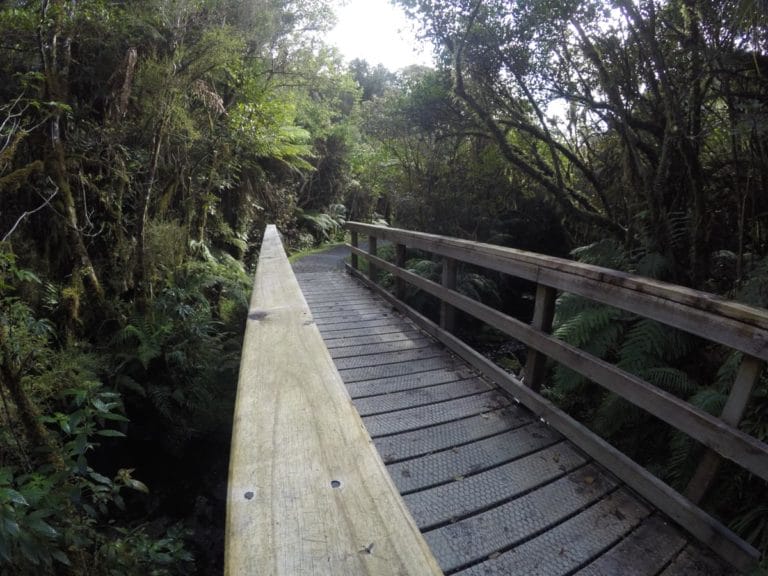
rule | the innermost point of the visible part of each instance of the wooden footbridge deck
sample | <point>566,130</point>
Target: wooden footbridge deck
<point>473,473</point>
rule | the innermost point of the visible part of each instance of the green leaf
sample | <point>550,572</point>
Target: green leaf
<point>61,557</point>
<point>100,478</point>
<point>41,527</point>
<point>113,416</point>
<point>137,485</point>
<point>111,433</point>
<point>11,527</point>
<point>9,495</point>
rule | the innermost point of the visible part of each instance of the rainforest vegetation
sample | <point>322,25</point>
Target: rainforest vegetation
<point>144,146</point>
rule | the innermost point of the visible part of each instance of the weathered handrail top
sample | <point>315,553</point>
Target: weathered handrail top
<point>739,326</point>
<point>308,494</point>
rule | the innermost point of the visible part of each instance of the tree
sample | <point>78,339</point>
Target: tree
<point>640,83</point>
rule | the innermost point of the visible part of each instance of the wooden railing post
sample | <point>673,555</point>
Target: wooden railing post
<point>448,312</point>
<point>543,313</point>
<point>400,263</point>
<point>746,378</point>
<point>354,242</point>
<point>372,270</point>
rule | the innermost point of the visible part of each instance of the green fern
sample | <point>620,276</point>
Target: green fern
<point>607,252</point>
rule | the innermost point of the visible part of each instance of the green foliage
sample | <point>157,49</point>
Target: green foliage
<point>642,347</point>
<point>324,226</point>
<point>178,360</point>
<point>135,551</point>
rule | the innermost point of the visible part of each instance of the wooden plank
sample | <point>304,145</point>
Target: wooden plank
<point>394,384</point>
<point>344,341</point>
<point>465,496</point>
<point>741,327</point>
<point>738,398</point>
<point>420,396</point>
<point>400,263</point>
<point>400,369</point>
<point>415,443</point>
<point>422,416</point>
<point>645,552</point>
<point>503,527</point>
<point>380,347</point>
<point>307,493</point>
<point>372,271</point>
<point>697,522</point>
<point>543,314</point>
<point>444,466</point>
<point>354,241</point>
<point>726,440</point>
<point>558,552</point>
<point>449,276</point>
<point>367,360</point>
<point>356,324</point>
<point>691,562</point>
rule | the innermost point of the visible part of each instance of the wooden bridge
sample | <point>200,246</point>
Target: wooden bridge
<point>370,440</point>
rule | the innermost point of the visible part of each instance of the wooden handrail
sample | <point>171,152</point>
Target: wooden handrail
<point>308,494</point>
<point>735,325</point>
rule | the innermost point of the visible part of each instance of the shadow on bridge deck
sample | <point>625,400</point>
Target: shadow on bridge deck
<point>494,490</point>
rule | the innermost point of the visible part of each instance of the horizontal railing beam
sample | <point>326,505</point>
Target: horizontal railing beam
<point>729,323</point>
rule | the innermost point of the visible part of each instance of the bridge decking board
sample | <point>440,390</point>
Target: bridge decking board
<point>494,490</point>
<point>557,552</point>
<point>369,360</point>
<point>692,562</point>
<point>381,347</point>
<point>420,396</point>
<point>464,496</point>
<point>450,435</point>
<point>352,375</point>
<point>645,551</point>
<point>478,537</point>
<point>347,341</point>
<point>439,413</point>
<point>395,384</point>
<point>446,465</point>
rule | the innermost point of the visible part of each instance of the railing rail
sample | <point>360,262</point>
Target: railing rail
<point>737,326</point>
<point>308,494</point>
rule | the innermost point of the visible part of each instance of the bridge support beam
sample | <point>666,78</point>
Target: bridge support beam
<point>354,241</point>
<point>373,271</point>
<point>746,378</point>
<point>400,263</point>
<point>543,314</point>
<point>448,312</point>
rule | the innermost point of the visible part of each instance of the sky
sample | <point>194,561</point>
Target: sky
<point>378,32</point>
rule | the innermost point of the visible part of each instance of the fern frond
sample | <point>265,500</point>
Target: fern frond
<point>726,374</point>
<point>681,463</point>
<point>649,343</point>
<point>670,379</point>
<point>614,414</point>
<point>709,399</point>
<point>608,253</point>
<point>425,268</point>
<point>580,328</point>
<point>569,305</point>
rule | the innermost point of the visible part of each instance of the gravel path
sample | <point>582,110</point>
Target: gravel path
<point>326,261</point>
